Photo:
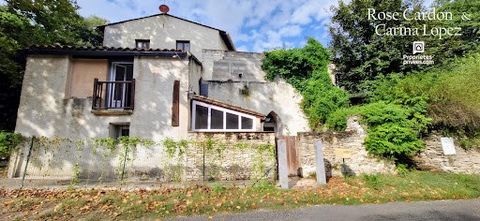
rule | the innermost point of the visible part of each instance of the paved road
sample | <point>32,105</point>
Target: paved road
<point>461,210</point>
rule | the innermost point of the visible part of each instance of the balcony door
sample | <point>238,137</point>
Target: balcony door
<point>121,75</point>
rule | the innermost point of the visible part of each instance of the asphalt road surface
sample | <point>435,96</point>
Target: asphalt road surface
<point>461,210</point>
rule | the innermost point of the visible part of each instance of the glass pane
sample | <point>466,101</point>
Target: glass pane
<point>247,123</point>
<point>216,121</point>
<point>232,121</point>
<point>186,46</point>
<point>179,46</point>
<point>201,117</point>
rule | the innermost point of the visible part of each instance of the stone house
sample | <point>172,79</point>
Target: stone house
<point>157,77</point>
<point>154,77</point>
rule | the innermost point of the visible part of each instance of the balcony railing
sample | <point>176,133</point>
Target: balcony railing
<point>113,95</point>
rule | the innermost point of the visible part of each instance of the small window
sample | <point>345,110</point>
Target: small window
<point>119,130</point>
<point>183,45</point>
<point>142,44</point>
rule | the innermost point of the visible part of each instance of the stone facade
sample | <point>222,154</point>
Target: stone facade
<point>231,156</point>
<point>234,156</point>
<point>432,158</point>
<point>237,78</point>
<point>350,142</point>
<point>163,31</point>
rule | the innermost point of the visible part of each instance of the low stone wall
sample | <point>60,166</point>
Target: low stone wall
<point>344,152</point>
<point>231,156</point>
<point>209,156</point>
<point>433,158</point>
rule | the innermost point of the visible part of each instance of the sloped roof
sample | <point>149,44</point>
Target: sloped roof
<point>223,34</point>
<point>102,51</point>
<point>218,103</point>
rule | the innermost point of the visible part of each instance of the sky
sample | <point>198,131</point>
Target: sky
<point>254,25</point>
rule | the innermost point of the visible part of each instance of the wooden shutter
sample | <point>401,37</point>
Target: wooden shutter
<point>176,104</point>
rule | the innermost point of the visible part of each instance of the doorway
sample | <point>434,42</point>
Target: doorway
<point>121,75</point>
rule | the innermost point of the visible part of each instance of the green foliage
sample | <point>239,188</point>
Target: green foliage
<point>393,140</point>
<point>402,169</point>
<point>306,70</point>
<point>76,175</point>
<point>449,94</point>
<point>171,147</point>
<point>373,181</point>
<point>360,54</point>
<point>470,142</point>
<point>394,130</point>
<point>108,142</point>
<point>8,141</point>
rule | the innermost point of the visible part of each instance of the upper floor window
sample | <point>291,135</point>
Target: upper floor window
<point>142,44</point>
<point>183,45</point>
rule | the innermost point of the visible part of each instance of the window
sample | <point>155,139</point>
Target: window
<point>247,123</point>
<point>201,117</point>
<point>206,117</point>
<point>183,45</point>
<point>232,121</point>
<point>216,119</point>
<point>142,44</point>
<point>118,130</point>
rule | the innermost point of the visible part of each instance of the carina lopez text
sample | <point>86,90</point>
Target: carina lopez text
<point>440,32</point>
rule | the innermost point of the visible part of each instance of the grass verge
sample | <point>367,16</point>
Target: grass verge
<point>127,205</point>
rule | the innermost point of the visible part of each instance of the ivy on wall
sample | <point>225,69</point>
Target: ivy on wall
<point>125,147</point>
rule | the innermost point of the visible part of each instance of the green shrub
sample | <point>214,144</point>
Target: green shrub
<point>393,130</point>
<point>393,140</point>
<point>306,70</point>
<point>8,141</point>
<point>449,95</point>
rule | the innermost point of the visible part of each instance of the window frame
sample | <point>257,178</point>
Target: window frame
<point>225,111</point>
<point>116,129</point>
<point>183,42</point>
<point>143,41</point>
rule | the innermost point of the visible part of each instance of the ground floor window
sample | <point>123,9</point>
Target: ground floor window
<point>207,117</point>
<point>118,130</point>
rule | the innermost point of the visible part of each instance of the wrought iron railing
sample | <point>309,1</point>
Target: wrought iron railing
<point>113,95</point>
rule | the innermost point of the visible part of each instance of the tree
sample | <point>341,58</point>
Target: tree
<point>360,54</point>
<point>26,22</point>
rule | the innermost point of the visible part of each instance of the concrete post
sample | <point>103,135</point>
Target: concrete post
<point>321,175</point>
<point>282,163</point>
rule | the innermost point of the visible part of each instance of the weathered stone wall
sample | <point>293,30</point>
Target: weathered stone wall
<point>233,156</point>
<point>230,156</point>
<point>358,161</point>
<point>433,158</point>
<point>163,31</point>
<point>237,78</point>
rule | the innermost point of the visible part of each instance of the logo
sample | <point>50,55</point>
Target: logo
<point>418,47</point>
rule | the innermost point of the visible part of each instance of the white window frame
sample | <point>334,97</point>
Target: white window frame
<point>112,76</point>
<point>225,111</point>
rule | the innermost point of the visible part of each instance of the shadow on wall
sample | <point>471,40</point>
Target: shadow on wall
<point>277,96</point>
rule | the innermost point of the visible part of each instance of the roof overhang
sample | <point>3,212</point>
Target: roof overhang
<point>103,51</point>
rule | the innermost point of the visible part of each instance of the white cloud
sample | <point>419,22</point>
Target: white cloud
<point>255,25</point>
